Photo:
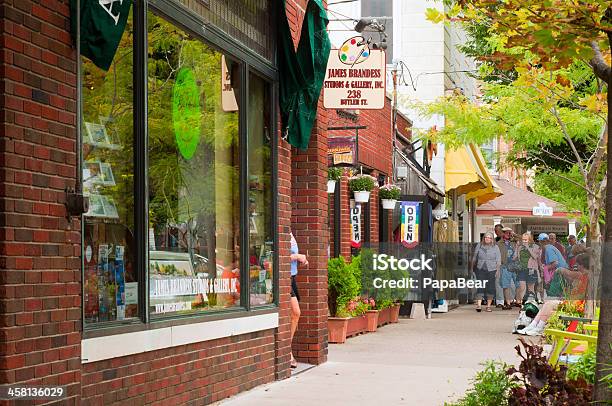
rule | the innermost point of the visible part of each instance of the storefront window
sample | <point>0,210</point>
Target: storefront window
<point>206,154</point>
<point>110,291</point>
<point>194,194</point>
<point>261,234</point>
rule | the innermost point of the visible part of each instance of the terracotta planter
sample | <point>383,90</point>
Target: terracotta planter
<point>394,314</point>
<point>383,316</point>
<point>356,325</point>
<point>372,319</point>
<point>337,328</point>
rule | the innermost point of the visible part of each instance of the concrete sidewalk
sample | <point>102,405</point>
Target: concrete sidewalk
<point>413,362</point>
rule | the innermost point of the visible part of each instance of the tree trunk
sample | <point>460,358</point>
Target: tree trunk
<point>602,393</point>
<point>594,238</point>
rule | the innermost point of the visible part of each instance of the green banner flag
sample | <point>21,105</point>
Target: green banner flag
<point>102,25</point>
<point>301,73</point>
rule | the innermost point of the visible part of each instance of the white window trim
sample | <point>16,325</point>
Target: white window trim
<point>120,345</point>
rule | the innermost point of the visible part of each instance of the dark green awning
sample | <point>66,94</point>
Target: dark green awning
<point>302,73</point>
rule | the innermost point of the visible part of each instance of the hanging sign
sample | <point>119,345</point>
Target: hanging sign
<point>228,97</point>
<point>542,210</point>
<point>410,213</point>
<point>355,77</point>
<point>356,226</point>
<point>341,151</point>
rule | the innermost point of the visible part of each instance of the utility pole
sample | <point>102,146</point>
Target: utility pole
<point>394,122</point>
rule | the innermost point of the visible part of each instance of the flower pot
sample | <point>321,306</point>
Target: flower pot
<point>356,325</point>
<point>394,313</point>
<point>331,186</point>
<point>388,204</point>
<point>361,196</point>
<point>384,316</point>
<point>336,328</point>
<point>372,319</point>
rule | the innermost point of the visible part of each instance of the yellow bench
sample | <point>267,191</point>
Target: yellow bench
<point>566,343</point>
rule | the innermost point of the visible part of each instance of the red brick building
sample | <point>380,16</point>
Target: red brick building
<point>144,298</point>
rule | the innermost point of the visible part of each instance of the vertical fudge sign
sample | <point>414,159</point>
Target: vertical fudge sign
<point>356,226</point>
<point>355,77</point>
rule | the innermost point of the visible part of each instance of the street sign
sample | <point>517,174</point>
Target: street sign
<point>542,210</point>
<point>355,77</point>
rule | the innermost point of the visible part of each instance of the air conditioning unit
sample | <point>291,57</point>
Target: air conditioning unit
<point>401,172</point>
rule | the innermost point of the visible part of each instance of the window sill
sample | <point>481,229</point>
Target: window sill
<point>159,337</point>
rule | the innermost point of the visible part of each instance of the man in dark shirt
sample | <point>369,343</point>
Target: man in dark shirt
<point>498,232</point>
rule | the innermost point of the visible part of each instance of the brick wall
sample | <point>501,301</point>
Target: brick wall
<point>207,371</point>
<point>40,268</point>
<point>309,224</point>
<point>375,142</point>
<point>295,11</point>
<point>39,249</point>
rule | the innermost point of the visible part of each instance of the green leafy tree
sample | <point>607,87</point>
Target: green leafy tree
<point>553,34</point>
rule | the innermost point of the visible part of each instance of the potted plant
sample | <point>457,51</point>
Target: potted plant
<point>342,286</point>
<point>389,194</point>
<point>394,312</point>
<point>371,315</point>
<point>333,175</point>
<point>361,185</point>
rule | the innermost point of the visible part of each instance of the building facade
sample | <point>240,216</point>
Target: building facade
<point>174,284</point>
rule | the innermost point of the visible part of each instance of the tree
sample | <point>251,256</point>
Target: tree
<point>553,34</point>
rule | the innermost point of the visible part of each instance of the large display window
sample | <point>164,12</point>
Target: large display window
<point>201,240</point>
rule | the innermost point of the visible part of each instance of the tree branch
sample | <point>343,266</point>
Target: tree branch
<point>598,63</point>
<point>569,141</point>
<point>596,159</point>
<point>572,181</point>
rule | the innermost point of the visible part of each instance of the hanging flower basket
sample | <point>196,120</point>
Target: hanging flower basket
<point>361,196</point>
<point>361,186</point>
<point>389,204</point>
<point>389,194</point>
<point>333,175</point>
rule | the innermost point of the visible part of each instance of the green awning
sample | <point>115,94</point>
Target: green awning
<point>302,73</point>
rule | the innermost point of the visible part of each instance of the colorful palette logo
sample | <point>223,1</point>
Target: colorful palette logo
<point>353,51</point>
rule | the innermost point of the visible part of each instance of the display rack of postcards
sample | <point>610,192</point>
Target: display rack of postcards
<point>108,288</point>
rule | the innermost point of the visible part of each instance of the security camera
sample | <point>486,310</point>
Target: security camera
<point>362,24</point>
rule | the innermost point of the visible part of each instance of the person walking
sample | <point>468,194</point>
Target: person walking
<point>508,279</point>
<point>486,264</point>
<point>296,258</point>
<point>527,253</point>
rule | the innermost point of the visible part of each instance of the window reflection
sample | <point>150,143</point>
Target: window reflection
<point>261,240</point>
<point>110,279</point>
<point>193,173</point>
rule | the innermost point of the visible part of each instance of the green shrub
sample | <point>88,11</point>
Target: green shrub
<point>343,285</point>
<point>334,173</point>
<point>490,387</point>
<point>389,192</point>
<point>362,183</point>
<point>584,368</point>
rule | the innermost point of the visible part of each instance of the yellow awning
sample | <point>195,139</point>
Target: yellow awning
<point>466,172</point>
<point>492,190</point>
